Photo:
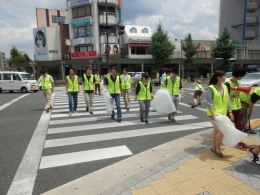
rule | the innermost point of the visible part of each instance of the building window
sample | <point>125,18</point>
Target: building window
<point>139,50</point>
<point>79,12</point>
<point>83,31</point>
<point>84,48</point>
<point>58,19</point>
<point>133,30</point>
<point>145,30</point>
<point>110,10</point>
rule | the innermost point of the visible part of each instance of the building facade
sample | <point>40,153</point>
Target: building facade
<point>3,62</point>
<point>241,18</point>
<point>51,34</point>
<point>89,27</point>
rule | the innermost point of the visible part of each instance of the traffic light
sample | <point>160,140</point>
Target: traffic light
<point>121,30</point>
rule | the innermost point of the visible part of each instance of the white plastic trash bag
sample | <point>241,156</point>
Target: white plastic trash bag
<point>162,102</point>
<point>232,136</point>
<point>109,102</point>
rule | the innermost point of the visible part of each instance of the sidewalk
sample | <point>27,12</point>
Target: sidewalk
<point>182,166</point>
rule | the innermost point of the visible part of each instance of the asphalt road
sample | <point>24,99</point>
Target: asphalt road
<point>82,134</point>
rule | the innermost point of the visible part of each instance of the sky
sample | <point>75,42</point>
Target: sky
<point>178,17</point>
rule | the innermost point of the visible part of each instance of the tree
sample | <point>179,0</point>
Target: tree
<point>224,49</point>
<point>161,47</point>
<point>17,57</point>
<point>190,50</point>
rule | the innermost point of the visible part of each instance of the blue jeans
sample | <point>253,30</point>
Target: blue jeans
<point>116,97</point>
<point>73,101</point>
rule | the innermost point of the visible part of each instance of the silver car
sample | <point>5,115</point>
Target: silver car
<point>251,79</point>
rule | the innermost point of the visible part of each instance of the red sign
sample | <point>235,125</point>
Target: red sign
<point>84,55</point>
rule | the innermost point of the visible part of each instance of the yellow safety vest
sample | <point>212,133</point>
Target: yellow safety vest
<point>173,88</point>
<point>125,85</point>
<point>46,82</point>
<point>73,86</point>
<point>220,103</point>
<point>114,87</point>
<point>144,93</point>
<point>88,84</point>
<point>235,102</point>
<point>98,79</point>
<point>247,97</point>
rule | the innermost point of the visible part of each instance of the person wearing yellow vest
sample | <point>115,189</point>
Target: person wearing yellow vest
<point>113,85</point>
<point>97,83</point>
<point>88,85</point>
<point>173,85</point>
<point>218,104</point>
<point>197,94</point>
<point>125,80</point>
<point>237,74</point>
<point>72,90</point>
<point>144,95</point>
<point>47,85</point>
<point>248,101</point>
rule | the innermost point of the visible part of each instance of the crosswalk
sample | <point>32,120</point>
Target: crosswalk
<point>83,129</point>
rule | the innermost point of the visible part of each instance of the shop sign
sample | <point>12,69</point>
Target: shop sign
<point>75,3</point>
<point>83,55</point>
<point>82,21</point>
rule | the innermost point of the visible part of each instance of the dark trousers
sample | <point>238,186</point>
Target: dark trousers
<point>97,89</point>
<point>239,119</point>
<point>116,98</point>
<point>73,101</point>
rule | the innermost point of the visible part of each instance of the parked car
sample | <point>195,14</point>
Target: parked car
<point>251,79</point>
<point>16,81</point>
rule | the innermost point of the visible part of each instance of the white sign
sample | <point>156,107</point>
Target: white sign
<point>79,2</point>
<point>139,39</point>
<point>83,41</point>
<point>40,43</point>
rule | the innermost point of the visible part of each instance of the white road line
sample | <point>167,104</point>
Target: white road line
<point>257,105</point>
<point>25,176</point>
<point>62,102</point>
<point>101,126</point>
<point>124,134</point>
<point>2,107</point>
<point>84,156</point>
<point>84,108</point>
<point>97,119</point>
<point>197,108</point>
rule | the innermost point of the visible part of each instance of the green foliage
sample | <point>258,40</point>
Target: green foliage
<point>224,48</point>
<point>17,57</point>
<point>190,50</point>
<point>161,47</point>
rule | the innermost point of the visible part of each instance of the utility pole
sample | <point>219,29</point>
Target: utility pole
<point>107,43</point>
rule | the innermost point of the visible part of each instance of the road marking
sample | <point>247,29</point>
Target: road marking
<point>97,119</point>
<point>25,176</point>
<point>101,126</point>
<point>124,134</point>
<point>2,107</point>
<point>84,156</point>
<point>197,108</point>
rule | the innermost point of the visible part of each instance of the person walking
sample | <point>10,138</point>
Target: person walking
<point>125,79</point>
<point>144,95</point>
<point>113,85</point>
<point>97,83</point>
<point>88,85</point>
<point>173,85</point>
<point>197,94</point>
<point>236,105</point>
<point>72,90</point>
<point>47,85</point>
<point>218,104</point>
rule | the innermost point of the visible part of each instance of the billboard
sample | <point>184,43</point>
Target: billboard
<point>75,3</point>
<point>40,43</point>
<point>112,48</point>
<point>83,55</point>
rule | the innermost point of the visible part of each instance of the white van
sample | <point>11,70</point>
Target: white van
<point>16,81</point>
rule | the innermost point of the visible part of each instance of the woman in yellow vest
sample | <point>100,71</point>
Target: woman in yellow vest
<point>97,83</point>
<point>88,85</point>
<point>218,104</point>
<point>47,85</point>
<point>125,79</point>
<point>72,90</point>
<point>112,84</point>
<point>197,94</point>
<point>144,95</point>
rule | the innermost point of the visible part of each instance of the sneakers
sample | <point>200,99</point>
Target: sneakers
<point>146,121</point>
<point>142,120</point>
<point>87,109</point>
<point>119,120</point>
<point>91,113</point>
<point>47,110</point>
<point>127,110</point>
<point>113,115</point>
<point>169,118</point>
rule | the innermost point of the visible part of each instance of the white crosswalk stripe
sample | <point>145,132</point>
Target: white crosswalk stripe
<point>83,128</point>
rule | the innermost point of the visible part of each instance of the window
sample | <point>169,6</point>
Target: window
<point>79,12</point>
<point>133,30</point>
<point>77,49</point>
<point>7,77</point>
<point>139,50</point>
<point>83,31</point>
<point>16,77</point>
<point>58,19</point>
<point>145,30</point>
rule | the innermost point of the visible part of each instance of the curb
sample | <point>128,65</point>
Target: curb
<point>122,175</point>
